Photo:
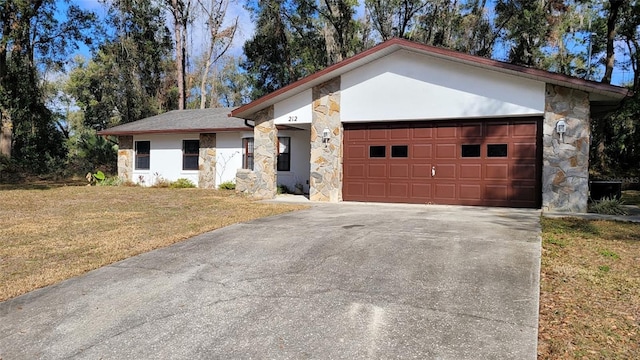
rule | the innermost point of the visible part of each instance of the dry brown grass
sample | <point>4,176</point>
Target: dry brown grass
<point>590,290</point>
<point>55,233</point>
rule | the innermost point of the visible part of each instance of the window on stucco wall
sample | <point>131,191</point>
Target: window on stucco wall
<point>247,149</point>
<point>284,153</point>
<point>143,152</point>
<point>190,154</point>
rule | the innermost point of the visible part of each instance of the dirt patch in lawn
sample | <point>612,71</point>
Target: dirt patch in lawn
<point>589,290</point>
<point>53,233</point>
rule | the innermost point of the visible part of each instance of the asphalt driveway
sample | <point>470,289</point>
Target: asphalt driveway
<point>340,281</point>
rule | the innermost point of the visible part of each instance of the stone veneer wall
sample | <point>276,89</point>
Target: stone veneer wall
<point>125,158</point>
<point>207,162</point>
<point>565,164</point>
<point>325,182</point>
<point>245,181</point>
<point>261,182</point>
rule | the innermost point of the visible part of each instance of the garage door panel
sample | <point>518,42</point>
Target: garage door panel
<point>377,171</point>
<point>376,189</point>
<point>355,189</point>
<point>399,134</point>
<point>471,131</point>
<point>471,172</point>
<point>421,151</point>
<point>523,151</point>
<point>422,133</point>
<point>356,135</point>
<point>358,152</point>
<point>422,191</point>
<point>446,151</point>
<point>508,175</point>
<point>497,130</point>
<point>496,171</point>
<point>420,171</point>
<point>355,171</point>
<point>446,172</point>
<point>399,190</point>
<point>446,132</point>
<point>527,130</point>
<point>470,192</point>
<point>377,134</point>
<point>523,192</point>
<point>445,192</point>
<point>497,192</point>
<point>399,171</point>
<point>523,172</point>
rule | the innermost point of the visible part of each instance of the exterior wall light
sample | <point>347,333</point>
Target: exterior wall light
<point>561,128</point>
<point>326,135</point>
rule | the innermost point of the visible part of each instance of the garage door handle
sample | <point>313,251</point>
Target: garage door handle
<point>433,171</point>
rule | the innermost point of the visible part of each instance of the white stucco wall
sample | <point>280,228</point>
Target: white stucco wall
<point>409,86</point>
<point>300,155</point>
<point>165,159</point>
<point>228,156</point>
<point>294,110</point>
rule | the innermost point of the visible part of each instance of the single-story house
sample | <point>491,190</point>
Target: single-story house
<point>206,146</point>
<point>405,122</point>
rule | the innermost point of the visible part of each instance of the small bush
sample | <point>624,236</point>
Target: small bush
<point>283,189</point>
<point>110,181</point>
<point>608,206</point>
<point>182,183</point>
<point>159,181</point>
<point>227,185</point>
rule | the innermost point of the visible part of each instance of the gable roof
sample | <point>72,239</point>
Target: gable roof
<point>182,121</point>
<point>598,91</point>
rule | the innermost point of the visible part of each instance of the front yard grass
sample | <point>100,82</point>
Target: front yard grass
<point>49,234</point>
<point>589,290</point>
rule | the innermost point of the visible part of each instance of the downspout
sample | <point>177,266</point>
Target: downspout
<point>246,123</point>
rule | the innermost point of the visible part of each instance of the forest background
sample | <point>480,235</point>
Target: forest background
<point>71,68</point>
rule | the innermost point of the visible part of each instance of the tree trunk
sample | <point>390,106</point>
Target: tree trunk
<point>179,29</point>
<point>6,134</point>
<point>203,82</point>
<point>612,19</point>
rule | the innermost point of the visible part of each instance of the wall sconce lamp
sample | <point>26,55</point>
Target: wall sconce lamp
<point>561,128</point>
<point>326,136</point>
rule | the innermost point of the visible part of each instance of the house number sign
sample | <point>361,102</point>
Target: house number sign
<point>293,118</point>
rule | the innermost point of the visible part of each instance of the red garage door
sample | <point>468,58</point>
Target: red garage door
<point>488,162</point>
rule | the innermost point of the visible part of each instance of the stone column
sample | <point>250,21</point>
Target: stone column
<point>207,162</point>
<point>325,183</point>
<point>565,164</point>
<point>265,137</point>
<point>125,158</point>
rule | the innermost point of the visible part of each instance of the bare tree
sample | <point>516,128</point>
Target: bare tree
<point>219,41</point>
<point>180,11</point>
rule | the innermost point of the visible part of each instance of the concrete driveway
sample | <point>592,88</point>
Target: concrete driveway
<point>340,281</point>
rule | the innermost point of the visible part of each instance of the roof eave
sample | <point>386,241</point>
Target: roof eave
<point>108,132</point>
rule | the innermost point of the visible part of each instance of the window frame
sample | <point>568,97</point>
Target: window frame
<point>284,158</point>
<point>495,150</point>
<point>464,154</point>
<point>399,151</point>
<point>248,144</point>
<point>373,148</point>
<point>139,156</point>
<point>192,155</point>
